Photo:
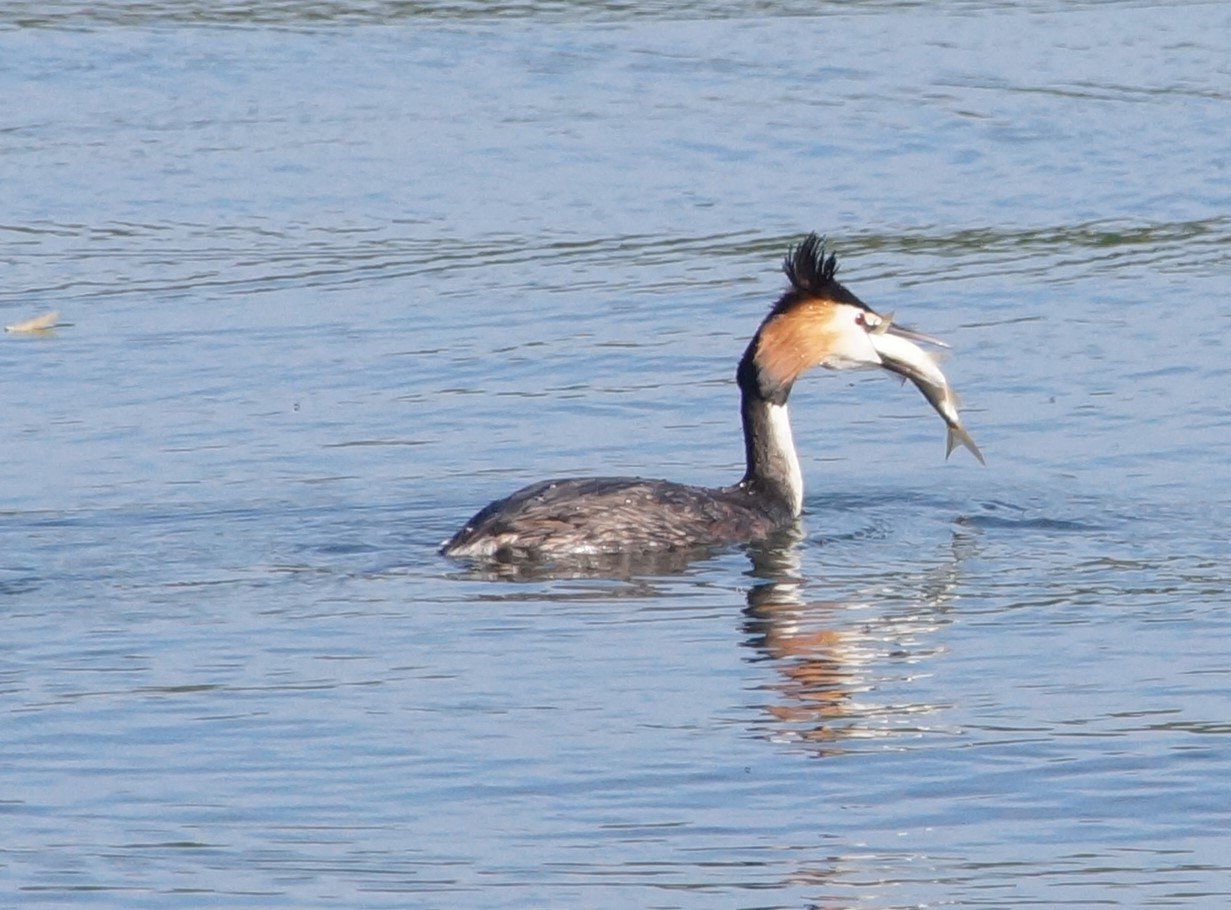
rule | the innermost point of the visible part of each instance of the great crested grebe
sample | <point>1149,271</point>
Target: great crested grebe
<point>816,322</point>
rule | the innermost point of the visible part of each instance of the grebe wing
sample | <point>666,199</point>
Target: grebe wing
<point>594,515</point>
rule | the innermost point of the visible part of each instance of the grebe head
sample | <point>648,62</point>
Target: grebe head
<point>818,322</point>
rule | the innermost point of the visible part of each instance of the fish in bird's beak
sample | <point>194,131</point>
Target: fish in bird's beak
<point>899,354</point>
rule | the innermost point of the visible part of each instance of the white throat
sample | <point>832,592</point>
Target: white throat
<point>782,452</point>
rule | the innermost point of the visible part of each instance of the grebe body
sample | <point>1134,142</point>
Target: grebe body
<point>816,322</point>
<point>596,516</point>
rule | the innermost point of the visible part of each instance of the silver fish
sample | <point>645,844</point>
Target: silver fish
<point>899,354</point>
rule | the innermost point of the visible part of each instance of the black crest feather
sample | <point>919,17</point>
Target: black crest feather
<point>811,268</point>
<point>807,266</point>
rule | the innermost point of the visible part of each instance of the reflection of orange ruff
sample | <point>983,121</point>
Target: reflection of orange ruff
<point>817,682</point>
<point>817,667</point>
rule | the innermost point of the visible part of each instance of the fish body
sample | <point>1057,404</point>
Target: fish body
<point>899,354</point>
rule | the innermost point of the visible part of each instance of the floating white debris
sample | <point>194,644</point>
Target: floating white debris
<point>43,323</point>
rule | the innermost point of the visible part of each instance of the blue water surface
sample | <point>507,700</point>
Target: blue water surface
<point>333,275</point>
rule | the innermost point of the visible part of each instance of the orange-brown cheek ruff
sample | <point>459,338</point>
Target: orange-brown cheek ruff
<point>795,341</point>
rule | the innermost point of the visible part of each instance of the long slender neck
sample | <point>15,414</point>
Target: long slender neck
<point>772,465</point>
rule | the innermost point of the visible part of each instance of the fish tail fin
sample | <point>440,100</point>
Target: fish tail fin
<point>957,436</point>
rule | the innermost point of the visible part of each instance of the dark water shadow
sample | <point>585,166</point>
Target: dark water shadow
<point>1002,515</point>
<point>610,566</point>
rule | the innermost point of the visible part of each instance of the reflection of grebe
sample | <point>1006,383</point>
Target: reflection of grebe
<point>845,670</point>
<point>816,322</point>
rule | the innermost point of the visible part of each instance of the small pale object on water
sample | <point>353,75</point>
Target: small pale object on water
<point>43,323</point>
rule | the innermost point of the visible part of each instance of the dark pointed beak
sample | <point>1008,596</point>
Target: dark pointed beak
<point>902,331</point>
<point>887,326</point>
